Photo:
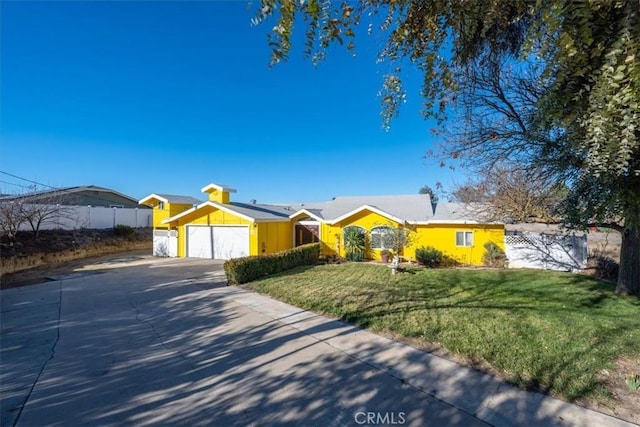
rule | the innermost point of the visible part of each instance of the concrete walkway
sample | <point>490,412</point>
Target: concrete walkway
<point>164,342</point>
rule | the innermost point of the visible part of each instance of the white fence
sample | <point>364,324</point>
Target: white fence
<point>74,217</point>
<point>546,251</point>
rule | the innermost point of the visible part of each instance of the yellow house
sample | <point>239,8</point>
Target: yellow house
<point>165,206</point>
<point>219,228</point>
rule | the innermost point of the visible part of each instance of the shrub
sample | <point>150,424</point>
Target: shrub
<point>354,243</point>
<point>449,261</point>
<point>606,268</point>
<point>429,256</point>
<point>355,256</point>
<point>124,231</point>
<point>246,269</point>
<point>493,256</point>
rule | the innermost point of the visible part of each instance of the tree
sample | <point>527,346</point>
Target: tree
<point>34,210</point>
<point>11,218</point>
<point>425,189</point>
<point>36,215</point>
<point>580,129</point>
<point>512,195</point>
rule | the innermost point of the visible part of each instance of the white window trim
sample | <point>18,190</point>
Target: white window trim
<point>464,238</point>
<point>371,233</point>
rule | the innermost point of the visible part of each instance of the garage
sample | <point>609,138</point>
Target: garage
<point>217,242</point>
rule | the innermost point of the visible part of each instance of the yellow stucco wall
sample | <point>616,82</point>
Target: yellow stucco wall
<point>169,210</point>
<point>264,238</point>
<point>273,237</point>
<point>218,196</point>
<point>440,236</point>
<point>331,235</point>
<point>443,238</point>
<point>270,237</point>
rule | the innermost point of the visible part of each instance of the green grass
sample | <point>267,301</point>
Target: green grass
<point>542,330</point>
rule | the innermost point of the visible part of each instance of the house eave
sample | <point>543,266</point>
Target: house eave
<point>210,204</point>
<point>456,222</point>
<point>272,220</point>
<point>369,208</point>
<point>151,197</point>
<point>306,212</point>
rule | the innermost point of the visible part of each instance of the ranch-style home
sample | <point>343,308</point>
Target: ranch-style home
<point>219,228</point>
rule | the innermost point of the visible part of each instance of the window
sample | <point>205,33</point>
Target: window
<point>464,238</point>
<point>382,237</point>
<point>161,205</point>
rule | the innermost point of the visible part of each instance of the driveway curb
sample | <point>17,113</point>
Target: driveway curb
<point>481,395</point>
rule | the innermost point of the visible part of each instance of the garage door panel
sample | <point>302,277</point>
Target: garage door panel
<point>199,242</point>
<point>230,242</point>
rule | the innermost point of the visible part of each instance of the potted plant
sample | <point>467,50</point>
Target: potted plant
<point>384,255</point>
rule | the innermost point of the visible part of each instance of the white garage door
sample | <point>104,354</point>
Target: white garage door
<point>217,242</point>
<point>230,242</point>
<point>199,243</point>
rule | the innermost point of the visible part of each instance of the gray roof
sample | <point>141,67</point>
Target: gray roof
<point>183,200</point>
<point>68,195</point>
<point>410,207</point>
<point>471,212</point>
<point>260,211</point>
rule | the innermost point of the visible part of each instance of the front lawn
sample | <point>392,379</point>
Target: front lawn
<point>541,330</point>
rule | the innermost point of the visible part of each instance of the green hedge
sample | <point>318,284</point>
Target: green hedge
<point>243,270</point>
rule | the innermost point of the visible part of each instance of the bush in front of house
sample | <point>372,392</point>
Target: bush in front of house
<point>246,269</point>
<point>493,256</point>
<point>354,243</point>
<point>355,256</point>
<point>429,256</point>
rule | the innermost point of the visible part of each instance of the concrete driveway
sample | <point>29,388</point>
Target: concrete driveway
<point>164,342</point>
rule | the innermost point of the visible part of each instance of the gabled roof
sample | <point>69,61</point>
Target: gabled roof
<point>249,211</point>
<point>313,213</point>
<point>67,193</point>
<point>370,209</point>
<point>171,198</point>
<point>412,208</point>
<point>402,209</point>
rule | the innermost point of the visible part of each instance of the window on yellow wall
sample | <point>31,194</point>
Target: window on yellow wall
<point>382,237</point>
<point>464,238</point>
<point>161,205</point>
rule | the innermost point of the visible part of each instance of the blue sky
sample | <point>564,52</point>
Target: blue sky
<point>167,97</point>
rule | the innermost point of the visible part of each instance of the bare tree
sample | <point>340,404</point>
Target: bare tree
<point>36,211</point>
<point>11,218</point>
<point>37,215</point>
<point>512,195</point>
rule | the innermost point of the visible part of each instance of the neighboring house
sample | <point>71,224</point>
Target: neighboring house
<point>85,195</point>
<point>71,208</point>
<point>221,229</point>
